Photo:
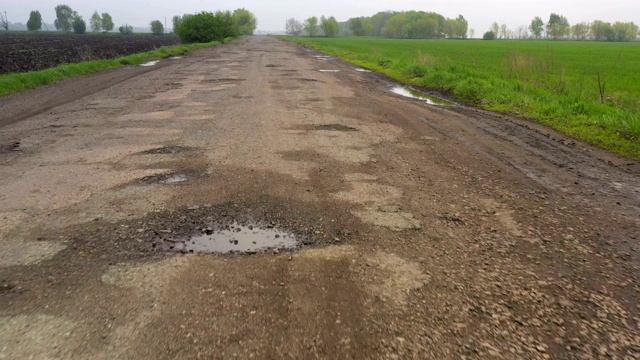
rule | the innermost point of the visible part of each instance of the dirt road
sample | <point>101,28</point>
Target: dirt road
<point>426,232</point>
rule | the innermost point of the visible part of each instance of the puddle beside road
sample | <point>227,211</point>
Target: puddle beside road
<point>236,238</point>
<point>176,57</point>
<point>363,70</point>
<point>150,63</point>
<point>332,71</point>
<point>414,94</point>
<point>323,57</point>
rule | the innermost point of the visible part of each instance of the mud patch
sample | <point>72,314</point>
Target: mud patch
<point>13,146</point>
<point>165,179</point>
<point>389,216</point>
<point>172,150</point>
<point>35,337</point>
<point>419,95</point>
<point>273,66</point>
<point>399,277</point>
<point>223,80</point>
<point>238,239</point>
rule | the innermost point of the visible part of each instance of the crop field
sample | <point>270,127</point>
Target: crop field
<point>589,90</point>
<point>21,51</point>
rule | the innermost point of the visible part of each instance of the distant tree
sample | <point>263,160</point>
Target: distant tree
<point>537,27</point>
<point>156,27</point>
<point>225,25</point>
<point>395,27</point>
<point>495,29</point>
<point>472,33</point>
<point>246,21</point>
<point>311,26</point>
<point>206,27</point>
<point>504,31</point>
<point>107,22</point>
<point>558,27</point>
<point>580,31</point>
<point>329,26</point>
<point>126,29</point>
<point>625,31</point>
<point>450,28</point>
<point>294,27</point>
<point>489,35</point>
<point>79,26</point>
<point>35,21</point>
<point>4,23</point>
<point>95,22</point>
<point>65,17</point>
<point>602,31</point>
<point>522,32</point>
<point>357,27</point>
<point>176,20</point>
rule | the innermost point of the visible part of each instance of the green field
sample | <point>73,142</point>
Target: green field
<point>588,90</point>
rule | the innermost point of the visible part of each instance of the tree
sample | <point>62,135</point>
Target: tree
<point>126,29</point>
<point>311,26</point>
<point>472,33</point>
<point>329,26</point>
<point>65,17</point>
<point>580,31</point>
<point>395,27</point>
<point>35,21</point>
<point>504,31</point>
<point>537,27</point>
<point>107,22</point>
<point>176,20</point>
<point>246,21</point>
<point>495,29</point>
<point>4,22</point>
<point>558,27</point>
<point>156,27</point>
<point>95,22</point>
<point>602,31</point>
<point>206,27</point>
<point>356,25</point>
<point>625,31</point>
<point>489,35</point>
<point>294,27</point>
<point>79,26</point>
<point>522,32</point>
<point>461,27</point>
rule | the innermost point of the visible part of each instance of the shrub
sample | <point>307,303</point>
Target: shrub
<point>489,35</point>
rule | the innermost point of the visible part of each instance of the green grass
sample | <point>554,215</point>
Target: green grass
<point>16,82</point>
<point>554,83</point>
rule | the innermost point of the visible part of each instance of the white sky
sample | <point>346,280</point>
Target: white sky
<point>272,14</point>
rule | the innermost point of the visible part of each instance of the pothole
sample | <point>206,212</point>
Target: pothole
<point>414,94</point>
<point>224,80</point>
<point>150,63</point>
<point>165,179</point>
<point>167,150</point>
<point>333,127</point>
<point>329,70</point>
<point>273,65</point>
<point>323,57</point>
<point>237,238</point>
<point>176,57</point>
<point>14,146</point>
<point>363,70</point>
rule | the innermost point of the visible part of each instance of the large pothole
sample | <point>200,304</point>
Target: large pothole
<point>237,239</point>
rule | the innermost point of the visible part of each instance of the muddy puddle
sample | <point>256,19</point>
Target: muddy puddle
<point>414,94</point>
<point>329,71</point>
<point>322,57</point>
<point>176,57</point>
<point>236,238</point>
<point>150,63</point>
<point>362,70</point>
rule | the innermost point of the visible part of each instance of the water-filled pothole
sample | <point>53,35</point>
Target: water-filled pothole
<point>165,179</point>
<point>329,71</point>
<point>236,238</point>
<point>414,94</point>
<point>167,150</point>
<point>175,57</point>
<point>363,70</point>
<point>150,63</point>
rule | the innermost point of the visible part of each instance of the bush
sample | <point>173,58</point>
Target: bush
<point>207,27</point>
<point>156,27</point>
<point>489,35</point>
<point>79,26</point>
<point>471,90</point>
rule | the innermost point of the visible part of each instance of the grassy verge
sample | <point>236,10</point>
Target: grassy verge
<point>586,90</point>
<point>13,83</point>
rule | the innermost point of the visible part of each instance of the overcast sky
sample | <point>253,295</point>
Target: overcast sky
<point>272,14</point>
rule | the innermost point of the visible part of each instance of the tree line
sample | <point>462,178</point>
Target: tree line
<point>391,24</point>
<point>558,28</point>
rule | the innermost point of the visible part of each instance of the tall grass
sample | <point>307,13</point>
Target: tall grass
<point>588,90</point>
<point>16,82</point>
